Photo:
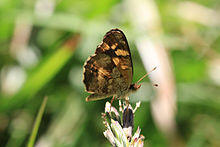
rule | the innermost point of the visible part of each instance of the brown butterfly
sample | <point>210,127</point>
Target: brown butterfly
<point>109,71</point>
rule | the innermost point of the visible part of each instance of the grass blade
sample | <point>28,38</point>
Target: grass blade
<point>37,123</point>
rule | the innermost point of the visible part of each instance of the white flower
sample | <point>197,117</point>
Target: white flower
<point>119,132</point>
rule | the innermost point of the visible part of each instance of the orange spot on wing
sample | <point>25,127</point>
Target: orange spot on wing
<point>114,46</point>
<point>124,67</point>
<point>105,46</point>
<point>116,60</point>
<point>121,52</point>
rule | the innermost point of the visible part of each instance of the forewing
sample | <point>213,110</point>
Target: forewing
<point>116,46</point>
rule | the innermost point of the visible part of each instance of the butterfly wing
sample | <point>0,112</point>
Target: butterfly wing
<point>109,71</point>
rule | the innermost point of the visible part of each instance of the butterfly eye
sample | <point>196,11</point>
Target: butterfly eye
<point>134,87</point>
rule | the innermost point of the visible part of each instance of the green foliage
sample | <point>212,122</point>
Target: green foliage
<point>57,41</point>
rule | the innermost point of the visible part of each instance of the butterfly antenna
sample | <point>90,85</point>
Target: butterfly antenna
<point>146,75</point>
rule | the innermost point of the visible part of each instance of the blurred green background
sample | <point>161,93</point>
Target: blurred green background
<point>44,44</point>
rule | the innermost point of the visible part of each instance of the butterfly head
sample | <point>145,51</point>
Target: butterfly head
<point>134,87</point>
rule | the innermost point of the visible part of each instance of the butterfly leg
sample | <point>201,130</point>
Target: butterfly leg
<point>120,106</point>
<point>112,100</point>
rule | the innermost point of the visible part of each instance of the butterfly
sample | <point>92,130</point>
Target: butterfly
<point>109,72</point>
